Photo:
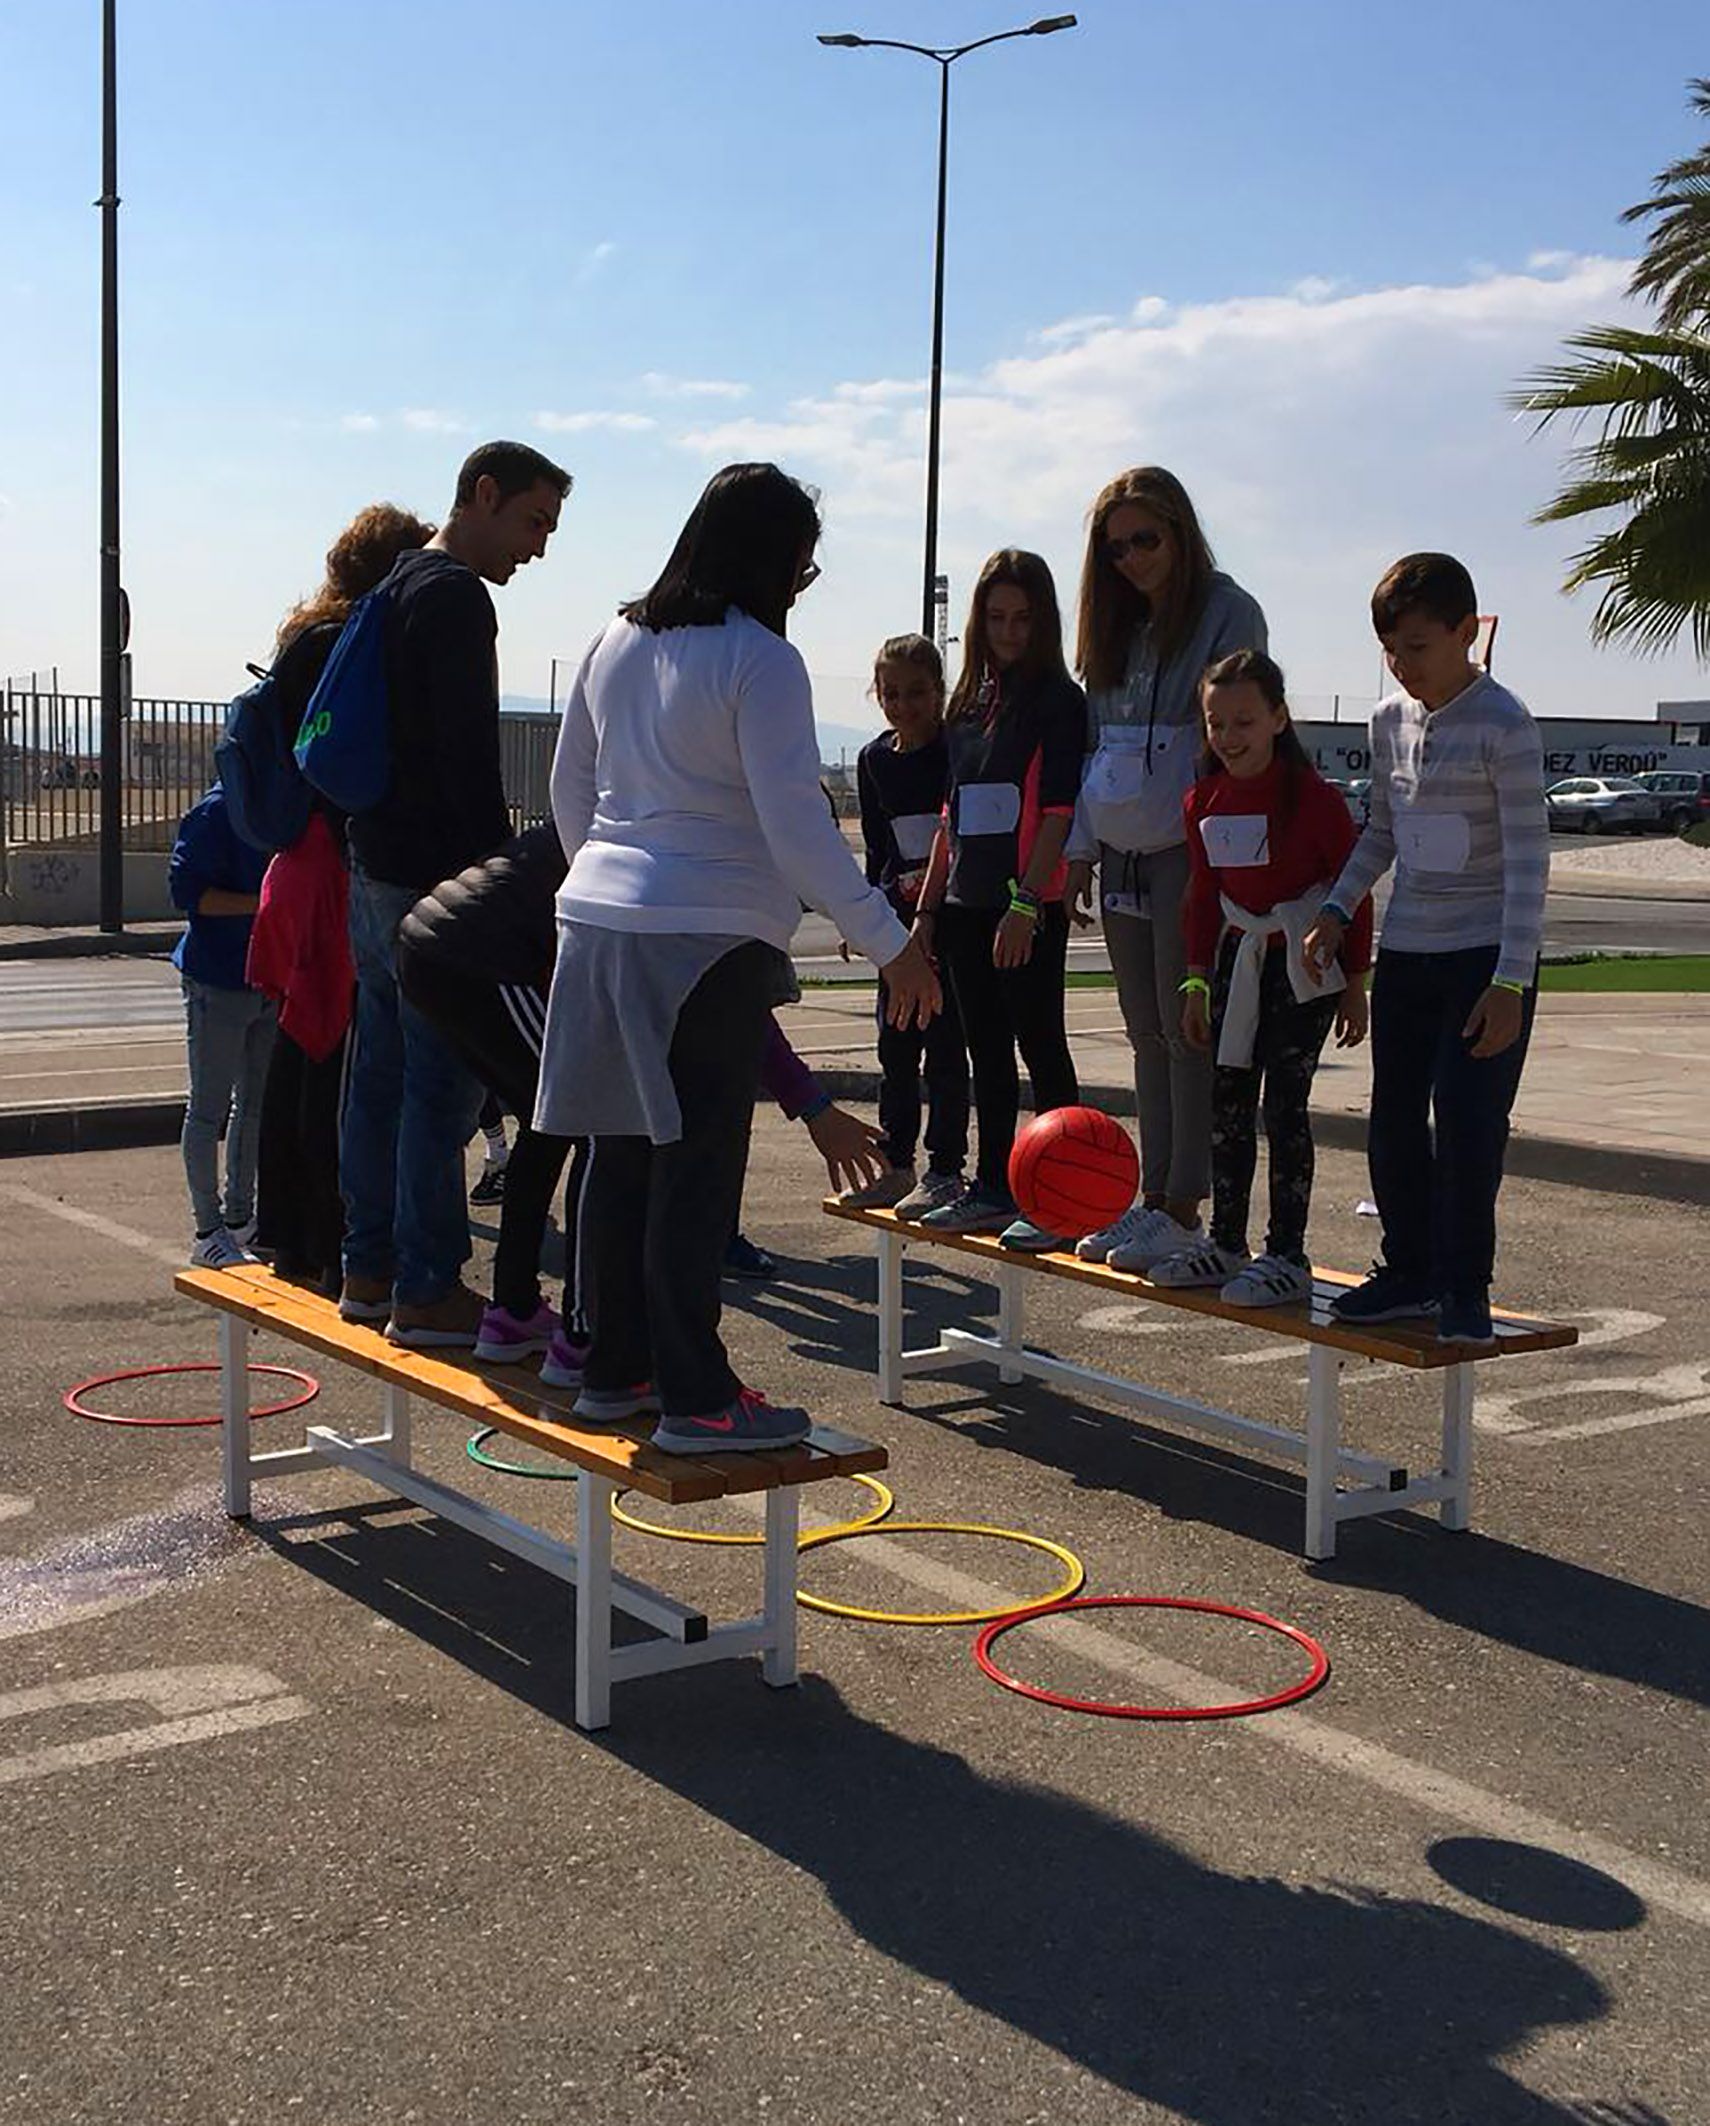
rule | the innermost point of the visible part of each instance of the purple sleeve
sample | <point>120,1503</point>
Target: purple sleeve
<point>783,1074</point>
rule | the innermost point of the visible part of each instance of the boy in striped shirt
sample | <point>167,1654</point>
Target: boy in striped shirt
<point>1457,806</point>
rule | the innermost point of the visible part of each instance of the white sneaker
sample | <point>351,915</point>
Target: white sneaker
<point>931,1193</point>
<point>1268,1281</point>
<point>218,1250</point>
<point>892,1186</point>
<point>1157,1243</point>
<point>1204,1265</point>
<point>1136,1223</point>
<point>243,1232</point>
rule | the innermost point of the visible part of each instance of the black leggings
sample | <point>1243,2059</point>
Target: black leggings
<point>659,1216</point>
<point>496,1028</point>
<point>1005,1008</point>
<point>1286,1049</point>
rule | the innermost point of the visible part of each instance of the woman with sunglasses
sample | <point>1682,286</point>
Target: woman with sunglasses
<point>686,795</point>
<point>1155,610</point>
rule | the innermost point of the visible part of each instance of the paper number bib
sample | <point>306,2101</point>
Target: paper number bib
<point>1235,841</point>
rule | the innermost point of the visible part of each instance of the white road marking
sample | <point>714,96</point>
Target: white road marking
<point>1126,1317</point>
<point>92,1222</point>
<point>195,1705</point>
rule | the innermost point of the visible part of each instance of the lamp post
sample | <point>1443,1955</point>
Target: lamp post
<point>115,616</point>
<point>946,58</point>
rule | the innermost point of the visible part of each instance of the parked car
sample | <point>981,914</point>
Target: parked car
<point>1682,795</point>
<point>1601,804</point>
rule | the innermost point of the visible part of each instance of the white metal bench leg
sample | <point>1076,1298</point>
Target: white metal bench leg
<point>1323,1426</point>
<point>890,1317</point>
<point>396,1404</point>
<point>234,1413</point>
<point>1456,1508</point>
<point>593,1601</point>
<point>1012,1312</point>
<point>783,1520</point>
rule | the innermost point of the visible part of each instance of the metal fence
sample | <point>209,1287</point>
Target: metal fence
<point>50,767</point>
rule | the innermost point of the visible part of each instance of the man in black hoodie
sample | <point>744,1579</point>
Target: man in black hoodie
<point>411,1102</point>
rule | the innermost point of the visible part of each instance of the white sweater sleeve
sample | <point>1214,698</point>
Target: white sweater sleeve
<point>573,785</point>
<point>779,746</point>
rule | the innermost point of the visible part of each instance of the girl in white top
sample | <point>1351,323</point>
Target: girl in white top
<point>686,793</point>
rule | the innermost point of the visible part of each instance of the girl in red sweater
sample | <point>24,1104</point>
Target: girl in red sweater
<point>1267,837</point>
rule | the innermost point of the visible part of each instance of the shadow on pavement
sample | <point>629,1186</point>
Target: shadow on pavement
<point>1233,2000</point>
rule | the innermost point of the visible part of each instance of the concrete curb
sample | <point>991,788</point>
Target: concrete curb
<point>92,944</point>
<point>1593,886</point>
<point>1614,1170</point>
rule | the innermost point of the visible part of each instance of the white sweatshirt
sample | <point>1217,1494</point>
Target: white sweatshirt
<point>686,792</point>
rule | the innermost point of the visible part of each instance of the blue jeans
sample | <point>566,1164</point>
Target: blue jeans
<point>229,1037</point>
<point>409,1109</point>
<point>1439,1124</point>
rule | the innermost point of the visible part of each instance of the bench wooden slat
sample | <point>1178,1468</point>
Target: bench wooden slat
<point>496,1395</point>
<point>1397,1343</point>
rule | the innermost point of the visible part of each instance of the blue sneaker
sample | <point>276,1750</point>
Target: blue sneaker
<point>748,1425</point>
<point>1386,1295</point>
<point>1465,1320</point>
<point>1023,1237</point>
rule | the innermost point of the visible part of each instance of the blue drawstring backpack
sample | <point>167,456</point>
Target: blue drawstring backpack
<point>345,744</point>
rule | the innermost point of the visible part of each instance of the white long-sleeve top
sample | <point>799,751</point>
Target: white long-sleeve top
<point>686,792</point>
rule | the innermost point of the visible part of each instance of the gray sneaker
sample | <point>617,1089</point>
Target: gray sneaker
<point>931,1194</point>
<point>1023,1237</point>
<point>975,1210</point>
<point>747,1426</point>
<point>892,1186</point>
<point>611,1406</point>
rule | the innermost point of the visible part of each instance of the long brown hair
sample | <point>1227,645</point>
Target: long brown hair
<point>359,558</point>
<point>1111,608</point>
<point>1015,567</point>
<point>1256,669</point>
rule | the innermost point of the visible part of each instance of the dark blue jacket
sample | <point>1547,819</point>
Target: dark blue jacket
<point>208,853</point>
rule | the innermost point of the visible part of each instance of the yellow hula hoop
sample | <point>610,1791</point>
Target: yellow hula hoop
<point>1074,1576</point>
<point>884,1500</point>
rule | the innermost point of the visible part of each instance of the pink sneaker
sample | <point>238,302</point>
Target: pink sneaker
<point>564,1362</point>
<point>503,1338</point>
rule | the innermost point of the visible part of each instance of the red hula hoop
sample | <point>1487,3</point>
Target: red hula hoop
<point>73,1397</point>
<point>1290,1695</point>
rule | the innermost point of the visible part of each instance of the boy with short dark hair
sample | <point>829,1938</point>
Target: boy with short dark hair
<point>1457,806</point>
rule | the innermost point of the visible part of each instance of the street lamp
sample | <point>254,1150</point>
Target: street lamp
<point>946,58</point>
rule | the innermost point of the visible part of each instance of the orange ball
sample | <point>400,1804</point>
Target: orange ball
<point>1073,1170</point>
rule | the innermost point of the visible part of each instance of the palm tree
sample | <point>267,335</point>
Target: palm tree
<point>1650,466</point>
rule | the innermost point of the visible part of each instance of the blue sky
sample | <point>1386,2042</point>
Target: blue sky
<point>1295,252</point>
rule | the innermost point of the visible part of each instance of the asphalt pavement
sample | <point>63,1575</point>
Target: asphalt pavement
<point>296,1822</point>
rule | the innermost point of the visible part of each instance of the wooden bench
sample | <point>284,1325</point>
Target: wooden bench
<point>512,1399</point>
<point>1373,1485</point>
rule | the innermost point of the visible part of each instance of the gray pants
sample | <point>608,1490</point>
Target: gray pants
<point>1172,1080</point>
<point>230,1039</point>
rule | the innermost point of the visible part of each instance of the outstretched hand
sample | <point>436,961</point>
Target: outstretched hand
<point>852,1149</point>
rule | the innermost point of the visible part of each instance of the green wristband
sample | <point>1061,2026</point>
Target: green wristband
<point>1514,989</point>
<point>1196,986</point>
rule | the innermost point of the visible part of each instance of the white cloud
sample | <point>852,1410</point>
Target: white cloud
<point>432,421</point>
<point>883,391</point>
<point>1073,328</point>
<point>1321,432</point>
<point>359,424</point>
<point>575,424</point>
<point>593,259</point>
<point>663,386</point>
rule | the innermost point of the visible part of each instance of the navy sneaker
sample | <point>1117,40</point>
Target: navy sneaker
<point>612,1406</point>
<point>748,1425</point>
<point>743,1259</point>
<point>490,1188</point>
<point>1465,1320</point>
<point>1023,1237</point>
<point>1386,1295</point>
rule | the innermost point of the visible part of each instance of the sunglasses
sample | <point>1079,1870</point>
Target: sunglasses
<point>1140,542</point>
<point>810,574</point>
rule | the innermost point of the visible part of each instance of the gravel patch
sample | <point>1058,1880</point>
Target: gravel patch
<point>1653,856</point>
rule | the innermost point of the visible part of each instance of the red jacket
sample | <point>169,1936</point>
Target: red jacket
<point>299,949</point>
<point>1307,850</point>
